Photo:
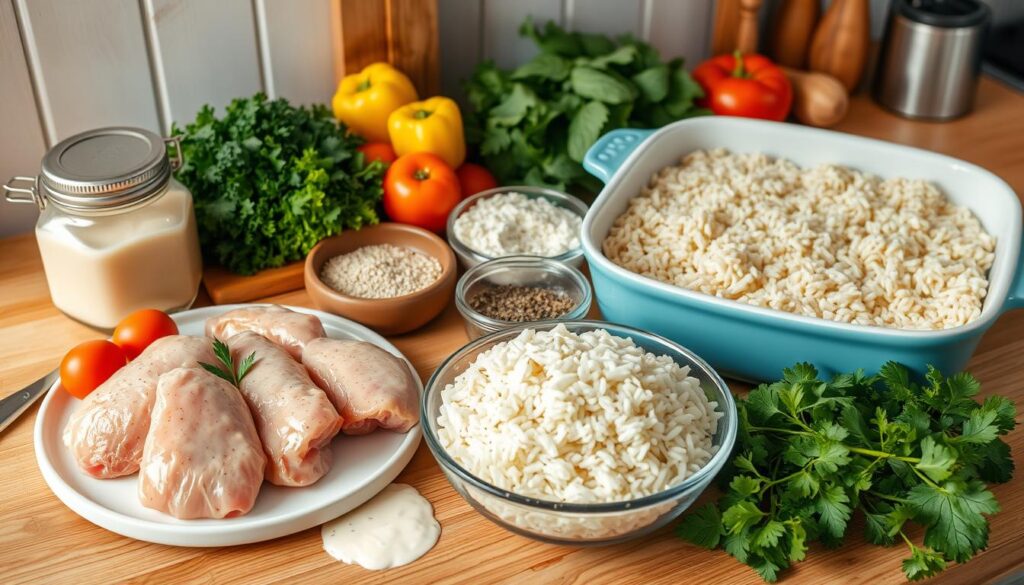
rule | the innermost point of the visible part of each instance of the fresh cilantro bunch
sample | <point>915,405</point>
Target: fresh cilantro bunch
<point>810,453</point>
<point>270,180</point>
<point>534,124</point>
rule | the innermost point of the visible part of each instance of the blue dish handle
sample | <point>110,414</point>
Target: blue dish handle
<point>1015,300</point>
<point>611,150</point>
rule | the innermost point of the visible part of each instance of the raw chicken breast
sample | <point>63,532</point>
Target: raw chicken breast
<point>294,418</point>
<point>370,387</point>
<point>289,329</point>
<point>202,458</point>
<point>106,434</point>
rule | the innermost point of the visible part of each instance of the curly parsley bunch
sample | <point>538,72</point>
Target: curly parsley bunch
<point>270,180</point>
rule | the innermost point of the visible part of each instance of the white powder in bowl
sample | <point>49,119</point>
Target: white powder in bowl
<point>512,223</point>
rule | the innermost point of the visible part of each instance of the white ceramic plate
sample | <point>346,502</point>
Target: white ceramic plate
<point>362,467</point>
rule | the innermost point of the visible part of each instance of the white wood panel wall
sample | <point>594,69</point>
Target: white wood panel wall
<point>67,66</point>
<point>89,63</point>
<point>297,44</point>
<point>499,25</point>
<point>230,56</point>
<point>680,29</point>
<point>610,17</point>
<point>21,134</point>
<point>475,30</point>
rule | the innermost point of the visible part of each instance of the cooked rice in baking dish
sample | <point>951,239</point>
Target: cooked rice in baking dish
<point>828,242</point>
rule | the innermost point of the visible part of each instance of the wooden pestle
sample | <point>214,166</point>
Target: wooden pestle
<point>818,99</point>
<point>746,35</point>
<point>841,42</point>
<point>723,38</point>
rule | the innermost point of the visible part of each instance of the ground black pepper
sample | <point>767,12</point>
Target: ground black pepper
<point>521,303</point>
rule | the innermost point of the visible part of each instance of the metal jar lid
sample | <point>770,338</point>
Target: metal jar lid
<point>100,170</point>
<point>944,13</point>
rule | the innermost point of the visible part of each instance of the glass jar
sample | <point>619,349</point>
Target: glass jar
<point>116,231</point>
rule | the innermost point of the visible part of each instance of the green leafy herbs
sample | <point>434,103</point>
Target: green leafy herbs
<point>270,180</point>
<point>534,124</point>
<point>226,369</point>
<point>811,453</point>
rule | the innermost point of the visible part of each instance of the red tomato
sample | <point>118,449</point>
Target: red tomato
<point>88,365</point>
<point>474,179</point>
<point>421,189</point>
<point>381,151</point>
<point>750,86</point>
<point>136,331</point>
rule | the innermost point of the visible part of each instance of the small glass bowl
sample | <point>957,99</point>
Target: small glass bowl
<point>580,524</point>
<point>520,271</point>
<point>470,257</point>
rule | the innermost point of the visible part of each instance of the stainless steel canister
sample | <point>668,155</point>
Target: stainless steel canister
<point>931,57</point>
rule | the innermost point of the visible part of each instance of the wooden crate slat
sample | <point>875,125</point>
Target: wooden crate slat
<point>364,36</point>
<point>413,43</point>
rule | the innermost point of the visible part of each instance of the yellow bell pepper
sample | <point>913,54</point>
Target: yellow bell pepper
<point>433,125</point>
<point>365,99</point>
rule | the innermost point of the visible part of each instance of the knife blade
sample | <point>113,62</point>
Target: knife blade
<point>12,406</point>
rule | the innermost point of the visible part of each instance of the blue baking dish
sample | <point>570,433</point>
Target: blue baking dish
<point>754,343</point>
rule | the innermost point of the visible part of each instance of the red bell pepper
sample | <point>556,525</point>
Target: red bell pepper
<point>750,86</point>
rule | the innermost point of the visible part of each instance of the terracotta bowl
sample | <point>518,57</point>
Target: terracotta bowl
<point>387,316</point>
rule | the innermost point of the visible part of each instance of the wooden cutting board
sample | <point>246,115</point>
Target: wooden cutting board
<point>227,287</point>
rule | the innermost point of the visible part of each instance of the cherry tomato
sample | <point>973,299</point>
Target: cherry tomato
<point>88,365</point>
<point>474,179</point>
<point>750,86</point>
<point>381,151</point>
<point>136,331</point>
<point>421,189</point>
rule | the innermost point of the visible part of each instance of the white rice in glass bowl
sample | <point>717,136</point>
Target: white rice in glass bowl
<point>577,418</point>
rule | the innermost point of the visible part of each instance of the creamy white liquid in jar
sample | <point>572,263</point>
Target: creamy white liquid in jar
<point>101,270</point>
<point>117,233</point>
<point>393,529</point>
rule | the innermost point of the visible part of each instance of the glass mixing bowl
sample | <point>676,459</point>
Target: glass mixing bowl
<point>580,524</point>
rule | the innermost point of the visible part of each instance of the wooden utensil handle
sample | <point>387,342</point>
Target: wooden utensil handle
<point>727,18</point>
<point>746,38</point>
<point>793,27</point>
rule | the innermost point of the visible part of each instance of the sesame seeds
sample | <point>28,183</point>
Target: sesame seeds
<point>380,272</point>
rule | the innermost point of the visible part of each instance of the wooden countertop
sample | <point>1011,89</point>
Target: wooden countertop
<point>43,541</point>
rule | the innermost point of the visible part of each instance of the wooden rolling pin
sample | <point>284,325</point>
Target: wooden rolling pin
<point>841,42</point>
<point>818,99</point>
<point>794,26</point>
<point>727,17</point>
